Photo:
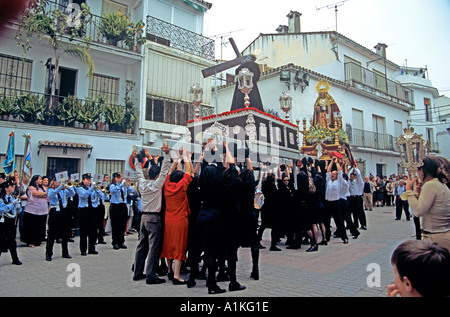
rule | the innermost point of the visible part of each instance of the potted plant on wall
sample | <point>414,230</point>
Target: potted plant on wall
<point>114,117</point>
<point>31,107</point>
<point>88,113</point>
<point>114,27</point>
<point>135,37</point>
<point>101,104</point>
<point>8,108</point>
<point>67,110</point>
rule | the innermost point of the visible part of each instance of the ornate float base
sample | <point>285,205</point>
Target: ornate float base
<point>324,151</point>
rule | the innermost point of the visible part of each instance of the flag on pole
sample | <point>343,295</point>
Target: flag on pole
<point>27,167</point>
<point>10,160</point>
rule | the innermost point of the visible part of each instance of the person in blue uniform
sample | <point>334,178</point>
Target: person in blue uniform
<point>87,215</point>
<point>58,218</point>
<point>9,209</point>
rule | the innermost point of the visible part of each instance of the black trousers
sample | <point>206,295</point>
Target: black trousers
<point>119,217</point>
<point>356,207</point>
<point>8,230</point>
<point>100,221</point>
<point>58,227</point>
<point>88,229</point>
<point>347,218</point>
<point>334,208</point>
<point>399,205</point>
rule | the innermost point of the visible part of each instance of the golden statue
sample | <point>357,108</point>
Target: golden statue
<point>325,107</point>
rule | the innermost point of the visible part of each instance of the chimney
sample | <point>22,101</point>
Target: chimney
<point>294,22</point>
<point>282,29</point>
<point>381,49</point>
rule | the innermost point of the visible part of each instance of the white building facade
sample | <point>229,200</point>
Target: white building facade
<point>375,104</point>
<point>159,71</point>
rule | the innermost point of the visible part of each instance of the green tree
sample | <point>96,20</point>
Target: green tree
<point>61,30</point>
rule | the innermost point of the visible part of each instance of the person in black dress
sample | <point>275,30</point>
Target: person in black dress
<point>269,211</point>
<point>248,224</point>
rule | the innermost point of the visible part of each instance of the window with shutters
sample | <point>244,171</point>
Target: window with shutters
<point>109,167</point>
<point>109,6</point>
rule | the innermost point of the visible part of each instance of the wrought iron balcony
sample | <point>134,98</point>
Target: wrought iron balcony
<point>176,37</point>
<point>88,27</point>
<point>375,83</point>
<point>372,140</point>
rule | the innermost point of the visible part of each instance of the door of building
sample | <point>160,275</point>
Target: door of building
<point>61,164</point>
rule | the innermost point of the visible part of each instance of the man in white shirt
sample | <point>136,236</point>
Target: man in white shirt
<point>332,197</point>
<point>345,210</point>
<point>355,199</point>
<point>149,246</point>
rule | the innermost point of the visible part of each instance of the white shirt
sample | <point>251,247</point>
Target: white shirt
<point>151,190</point>
<point>356,187</point>
<point>345,189</point>
<point>333,190</point>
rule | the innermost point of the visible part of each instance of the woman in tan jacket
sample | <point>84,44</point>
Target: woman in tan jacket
<point>433,201</point>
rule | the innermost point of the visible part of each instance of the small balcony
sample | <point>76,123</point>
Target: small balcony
<point>176,37</point>
<point>377,84</point>
<point>90,26</point>
<point>372,140</point>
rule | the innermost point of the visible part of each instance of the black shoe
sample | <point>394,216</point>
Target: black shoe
<point>155,281</point>
<point>116,247</point>
<point>293,246</point>
<point>260,246</point>
<point>170,276</point>
<point>191,283</point>
<point>139,277</point>
<point>255,274</point>
<point>83,253</point>
<point>101,242</point>
<point>93,252</point>
<point>17,262</point>
<point>323,242</point>
<point>274,248</point>
<point>66,256</point>
<point>313,248</point>
<point>355,236</point>
<point>363,228</point>
<point>123,246</point>
<point>215,290</point>
<point>48,258</point>
<point>345,241</point>
<point>176,281</point>
<point>235,287</point>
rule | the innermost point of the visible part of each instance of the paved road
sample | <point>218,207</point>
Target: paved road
<point>336,270</point>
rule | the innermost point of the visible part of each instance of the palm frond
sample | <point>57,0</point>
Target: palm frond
<point>82,55</point>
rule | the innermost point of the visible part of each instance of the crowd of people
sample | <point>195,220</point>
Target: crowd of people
<point>195,219</point>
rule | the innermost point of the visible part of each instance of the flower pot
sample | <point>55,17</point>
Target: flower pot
<point>100,125</point>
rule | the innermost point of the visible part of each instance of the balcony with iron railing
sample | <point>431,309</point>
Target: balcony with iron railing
<point>372,140</point>
<point>179,38</point>
<point>86,26</point>
<point>67,111</point>
<point>378,84</point>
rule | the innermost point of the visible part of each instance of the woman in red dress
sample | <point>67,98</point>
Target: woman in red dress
<point>176,219</point>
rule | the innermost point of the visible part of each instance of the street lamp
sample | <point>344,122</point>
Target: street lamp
<point>286,103</point>
<point>197,93</point>
<point>245,84</point>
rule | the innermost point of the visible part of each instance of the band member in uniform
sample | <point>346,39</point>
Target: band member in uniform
<point>86,216</point>
<point>9,208</point>
<point>58,218</point>
<point>102,209</point>
<point>97,198</point>
<point>118,211</point>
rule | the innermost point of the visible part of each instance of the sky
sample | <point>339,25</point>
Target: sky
<point>415,31</point>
